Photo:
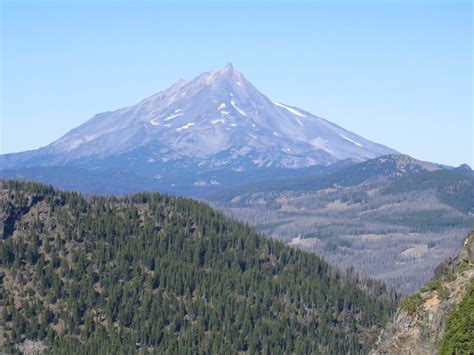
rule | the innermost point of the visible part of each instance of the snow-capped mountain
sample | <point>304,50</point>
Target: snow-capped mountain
<point>218,120</point>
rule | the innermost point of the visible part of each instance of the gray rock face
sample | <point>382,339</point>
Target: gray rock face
<point>217,120</point>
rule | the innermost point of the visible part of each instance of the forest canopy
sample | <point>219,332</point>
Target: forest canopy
<point>151,272</point>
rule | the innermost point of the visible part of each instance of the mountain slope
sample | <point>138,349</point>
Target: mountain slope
<point>382,168</point>
<point>156,273</point>
<point>216,121</point>
<point>430,321</point>
<point>402,215</point>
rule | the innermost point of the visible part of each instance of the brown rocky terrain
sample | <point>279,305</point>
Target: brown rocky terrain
<point>419,323</point>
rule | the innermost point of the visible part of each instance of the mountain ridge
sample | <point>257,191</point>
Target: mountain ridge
<point>380,168</point>
<point>162,274</point>
<point>218,120</point>
<point>403,215</point>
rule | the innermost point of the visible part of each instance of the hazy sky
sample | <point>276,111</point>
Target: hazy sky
<point>398,73</point>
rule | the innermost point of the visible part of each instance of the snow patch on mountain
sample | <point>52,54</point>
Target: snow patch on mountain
<point>154,121</point>
<point>237,108</point>
<point>170,117</point>
<point>350,140</point>
<point>290,109</point>
<point>320,143</point>
<point>186,126</point>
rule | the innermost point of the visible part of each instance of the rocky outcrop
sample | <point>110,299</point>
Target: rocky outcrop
<point>420,320</point>
<point>10,213</point>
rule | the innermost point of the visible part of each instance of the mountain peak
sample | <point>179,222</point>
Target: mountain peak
<point>228,72</point>
<point>225,75</point>
<point>403,164</point>
<point>218,119</point>
<point>464,167</point>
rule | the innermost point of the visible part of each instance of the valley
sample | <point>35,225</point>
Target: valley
<point>394,228</point>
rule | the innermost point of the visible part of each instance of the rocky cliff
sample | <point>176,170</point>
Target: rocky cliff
<point>419,324</point>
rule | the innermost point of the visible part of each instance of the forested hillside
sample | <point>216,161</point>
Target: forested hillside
<point>156,273</point>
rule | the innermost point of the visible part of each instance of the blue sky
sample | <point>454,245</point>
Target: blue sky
<point>398,73</point>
